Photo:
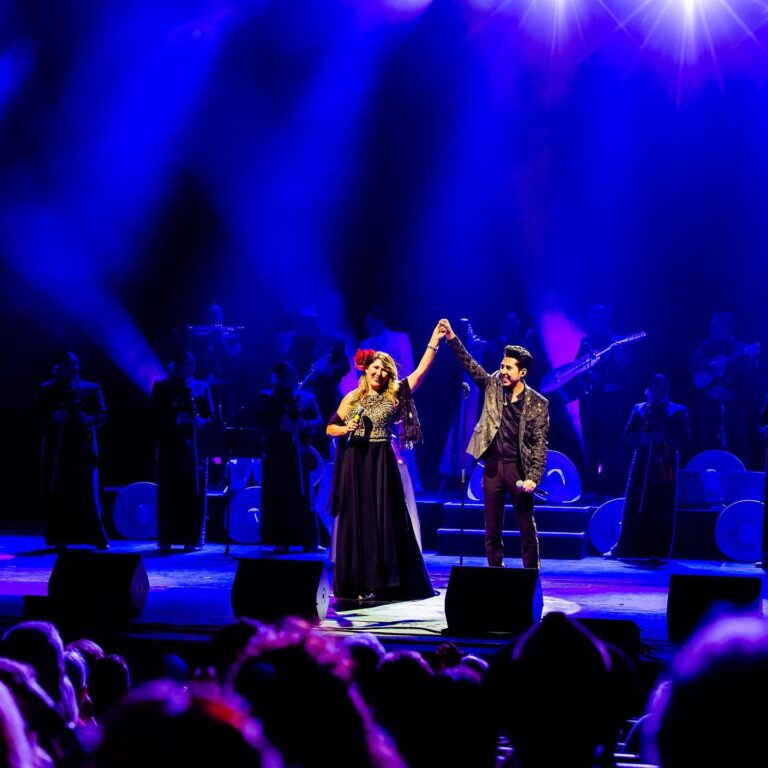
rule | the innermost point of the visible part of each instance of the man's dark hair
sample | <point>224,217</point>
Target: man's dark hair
<point>521,354</point>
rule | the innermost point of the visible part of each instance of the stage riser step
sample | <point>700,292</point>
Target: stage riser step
<point>559,546</point>
<point>571,520</point>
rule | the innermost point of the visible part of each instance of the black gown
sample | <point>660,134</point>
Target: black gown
<point>658,431</point>
<point>69,491</point>
<point>181,469</point>
<point>288,512</point>
<point>375,546</point>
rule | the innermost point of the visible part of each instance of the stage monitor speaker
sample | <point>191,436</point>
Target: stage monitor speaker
<point>268,589</point>
<point>694,599</point>
<point>97,586</point>
<point>480,600</point>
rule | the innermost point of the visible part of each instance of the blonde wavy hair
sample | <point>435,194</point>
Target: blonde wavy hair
<point>393,383</point>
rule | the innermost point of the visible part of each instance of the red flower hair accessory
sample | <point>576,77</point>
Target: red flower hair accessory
<point>363,358</point>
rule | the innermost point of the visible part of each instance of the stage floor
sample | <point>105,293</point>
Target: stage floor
<point>190,594</point>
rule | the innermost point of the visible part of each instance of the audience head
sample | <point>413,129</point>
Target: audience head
<point>228,643</point>
<point>164,724</point>
<point>88,649</point>
<point>555,679</point>
<point>296,682</point>
<point>15,747</point>
<point>38,644</point>
<point>108,683</point>
<point>365,652</point>
<point>45,724</point>
<point>712,710</point>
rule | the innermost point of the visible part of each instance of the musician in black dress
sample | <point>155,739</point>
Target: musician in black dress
<point>71,410</point>
<point>658,430</point>
<point>183,408</point>
<point>375,548</point>
<point>288,418</point>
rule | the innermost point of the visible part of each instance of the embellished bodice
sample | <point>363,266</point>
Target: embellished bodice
<point>377,421</point>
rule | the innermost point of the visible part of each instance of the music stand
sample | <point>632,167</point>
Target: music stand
<point>238,443</point>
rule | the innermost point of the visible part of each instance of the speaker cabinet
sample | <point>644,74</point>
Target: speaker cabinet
<point>268,589</point>
<point>481,599</point>
<point>694,598</point>
<point>98,586</point>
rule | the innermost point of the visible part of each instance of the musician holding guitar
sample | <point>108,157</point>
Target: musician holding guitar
<point>724,369</point>
<point>320,360</point>
<point>602,403</point>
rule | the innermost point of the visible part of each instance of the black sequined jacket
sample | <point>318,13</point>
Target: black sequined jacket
<point>534,419</point>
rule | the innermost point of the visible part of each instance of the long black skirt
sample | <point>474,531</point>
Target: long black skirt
<point>375,549</point>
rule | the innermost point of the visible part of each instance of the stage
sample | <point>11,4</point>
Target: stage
<point>190,597</point>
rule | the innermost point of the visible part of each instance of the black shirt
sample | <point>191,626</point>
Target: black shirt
<point>505,445</point>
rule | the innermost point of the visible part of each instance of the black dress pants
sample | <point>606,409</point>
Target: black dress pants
<point>500,477</point>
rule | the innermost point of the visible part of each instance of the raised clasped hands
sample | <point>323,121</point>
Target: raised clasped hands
<point>438,334</point>
<point>445,328</point>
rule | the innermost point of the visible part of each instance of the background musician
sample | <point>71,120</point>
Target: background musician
<point>71,410</point>
<point>183,408</point>
<point>658,431</point>
<point>727,388</point>
<point>320,359</point>
<point>218,354</point>
<point>602,404</point>
<point>289,418</point>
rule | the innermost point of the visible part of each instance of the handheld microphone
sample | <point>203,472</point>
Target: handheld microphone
<point>540,491</point>
<point>359,411</point>
<point>464,389</point>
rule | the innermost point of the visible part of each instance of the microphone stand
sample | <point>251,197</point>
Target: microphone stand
<point>463,461</point>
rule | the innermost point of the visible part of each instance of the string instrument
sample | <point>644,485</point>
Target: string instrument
<point>713,374</point>
<point>312,373</point>
<point>207,330</point>
<point>560,376</point>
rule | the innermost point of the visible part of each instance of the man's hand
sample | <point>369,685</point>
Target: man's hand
<point>446,326</point>
<point>528,486</point>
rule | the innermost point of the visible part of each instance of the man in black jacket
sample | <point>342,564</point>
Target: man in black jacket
<point>71,410</point>
<point>511,438</point>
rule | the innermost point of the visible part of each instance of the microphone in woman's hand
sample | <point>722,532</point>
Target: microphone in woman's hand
<point>356,416</point>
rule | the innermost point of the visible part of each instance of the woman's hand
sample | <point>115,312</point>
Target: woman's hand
<point>437,335</point>
<point>445,328</point>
